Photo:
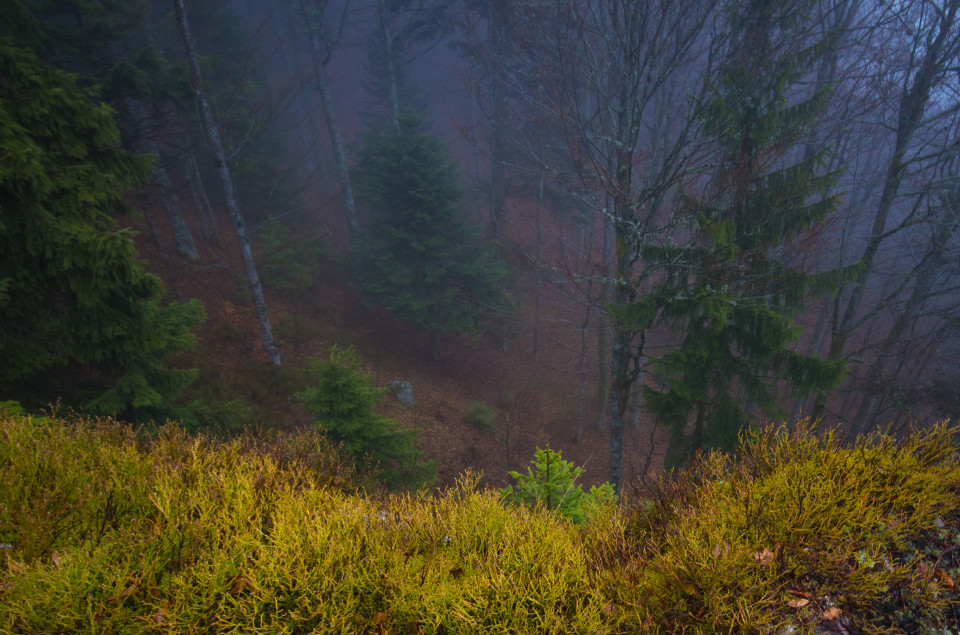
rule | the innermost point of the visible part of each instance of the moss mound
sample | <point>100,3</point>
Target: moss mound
<point>106,530</point>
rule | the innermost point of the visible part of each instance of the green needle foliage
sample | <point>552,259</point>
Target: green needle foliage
<point>416,257</point>
<point>343,405</point>
<point>729,294</point>
<point>552,483</point>
<point>80,318</point>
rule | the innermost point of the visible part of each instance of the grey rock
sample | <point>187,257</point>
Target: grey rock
<point>403,391</point>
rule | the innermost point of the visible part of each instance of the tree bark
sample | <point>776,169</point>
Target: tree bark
<point>390,64</point>
<point>182,236</point>
<point>233,207</point>
<point>913,102</point>
<point>339,153</point>
<point>603,330</point>
<point>927,273</point>
<point>198,192</point>
<point>320,54</point>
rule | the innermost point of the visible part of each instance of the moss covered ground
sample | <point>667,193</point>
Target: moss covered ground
<point>108,529</point>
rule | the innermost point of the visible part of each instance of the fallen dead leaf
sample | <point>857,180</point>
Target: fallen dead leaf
<point>238,584</point>
<point>832,613</point>
<point>798,603</point>
<point>721,549</point>
<point>609,609</point>
<point>945,579</point>
<point>379,617</point>
<point>800,593</point>
<point>764,557</point>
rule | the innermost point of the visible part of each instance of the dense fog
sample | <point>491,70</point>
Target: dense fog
<point>710,214</point>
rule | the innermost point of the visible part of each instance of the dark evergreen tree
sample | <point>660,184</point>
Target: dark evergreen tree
<point>342,404</point>
<point>80,318</point>
<point>731,293</point>
<point>416,257</point>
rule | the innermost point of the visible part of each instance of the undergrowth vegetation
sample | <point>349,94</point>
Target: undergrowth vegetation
<point>110,529</point>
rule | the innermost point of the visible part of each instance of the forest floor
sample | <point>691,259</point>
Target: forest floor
<point>536,398</point>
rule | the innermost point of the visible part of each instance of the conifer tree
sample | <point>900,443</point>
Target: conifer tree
<point>416,257</point>
<point>342,404</point>
<point>730,294</point>
<point>80,318</point>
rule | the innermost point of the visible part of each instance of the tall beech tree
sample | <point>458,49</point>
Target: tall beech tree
<point>922,79</point>
<point>404,31</point>
<point>80,318</point>
<point>610,79</point>
<point>731,292</point>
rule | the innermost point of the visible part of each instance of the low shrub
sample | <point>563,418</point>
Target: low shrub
<point>107,529</point>
<point>551,482</point>
<point>481,416</point>
<point>342,403</point>
<point>800,534</point>
<point>221,536</point>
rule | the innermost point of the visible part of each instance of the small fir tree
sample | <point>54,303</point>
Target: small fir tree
<point>552,482</point>
<point>343,403</point>
<point>416,257</point>
<point>729,293</point>
<point>80,318</point>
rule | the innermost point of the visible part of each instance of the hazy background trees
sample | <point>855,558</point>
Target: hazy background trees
<point>706,209</point>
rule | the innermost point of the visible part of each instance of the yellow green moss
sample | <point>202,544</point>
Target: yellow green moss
<point>105,530</point>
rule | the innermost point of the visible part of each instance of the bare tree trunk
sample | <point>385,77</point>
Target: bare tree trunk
<point>584,327</point>
<point>239,225</point>
<point>182,236</point>
<point>625,358</point>
<point>171,272</point>
<point>603,330</point>
<point>498,143</point>
<point>339,153</point>
<point>181,231</point>
<point>198,192</point>
<point>926,277</point>
<point>913,102</point>
<point>320,51</point>
<point>383,23</point>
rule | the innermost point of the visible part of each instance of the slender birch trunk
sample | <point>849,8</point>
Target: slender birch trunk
<point>233,207</point>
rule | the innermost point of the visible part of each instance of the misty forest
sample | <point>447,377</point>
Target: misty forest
<point>413,244</point>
